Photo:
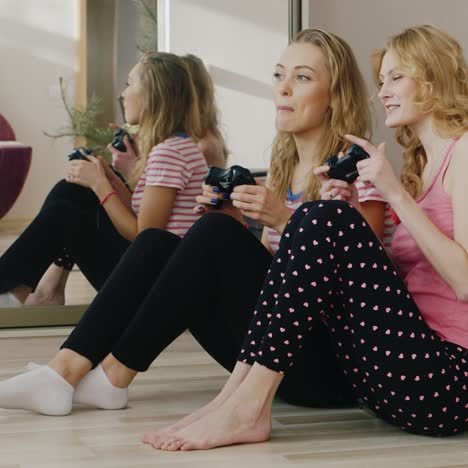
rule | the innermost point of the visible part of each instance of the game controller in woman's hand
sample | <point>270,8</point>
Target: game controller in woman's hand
<point>78,153</point>
<point>227,179</point>
<point>344,168</point>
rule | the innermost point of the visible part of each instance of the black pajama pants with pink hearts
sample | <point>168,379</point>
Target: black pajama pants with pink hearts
<point>330,267</point>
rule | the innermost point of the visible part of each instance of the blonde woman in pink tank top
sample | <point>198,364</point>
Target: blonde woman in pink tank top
<point>399,327</point>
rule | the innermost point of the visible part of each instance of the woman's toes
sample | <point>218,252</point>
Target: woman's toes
<point>187,446</point>
<point>168,442</point>
<point>161,438</point>
<point>176,445</point>
<point>163,444</point>
<point>149,438</point>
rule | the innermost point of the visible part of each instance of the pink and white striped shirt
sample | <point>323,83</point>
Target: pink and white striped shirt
<point>176,162</point>
<point>366,192</point>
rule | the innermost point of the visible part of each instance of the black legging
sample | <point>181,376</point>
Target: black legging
<point>208,283</point>
<point>330,268</point>
<point>70,218</point>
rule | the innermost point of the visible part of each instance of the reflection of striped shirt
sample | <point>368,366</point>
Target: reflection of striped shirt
<point>366,192</point>
<point>177,163</point>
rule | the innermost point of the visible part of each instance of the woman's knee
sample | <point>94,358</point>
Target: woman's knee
<point>63,192</point>
<point>151,236</point>
<point>215,226</point>
<point>324,213</point>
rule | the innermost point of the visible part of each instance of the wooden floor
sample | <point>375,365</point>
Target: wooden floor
<point>180,381</point>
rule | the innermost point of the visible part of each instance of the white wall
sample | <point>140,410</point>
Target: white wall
<point>366,25</point>
<point>37,45</point>
<point>241,40</point>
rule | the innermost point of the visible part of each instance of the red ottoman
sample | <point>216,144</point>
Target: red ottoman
<point>15,161</point>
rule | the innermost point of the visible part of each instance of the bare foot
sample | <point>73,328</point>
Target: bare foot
<point>235,422</point>
<point>39,298</point>
<point>158,438</point>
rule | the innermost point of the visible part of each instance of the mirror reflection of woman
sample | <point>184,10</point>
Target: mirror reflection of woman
<point>50,290</point>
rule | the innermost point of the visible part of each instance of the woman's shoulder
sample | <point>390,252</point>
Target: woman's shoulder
<point>213,150</point>
<point>180,153</point>
<point>462,144</point>
<point>176,147</point>
<point>460,155</point>
<point>457,170</point>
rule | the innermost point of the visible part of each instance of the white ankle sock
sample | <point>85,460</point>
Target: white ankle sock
<point>95,389</point>
<point>8,299</point>
<point>42,390</point>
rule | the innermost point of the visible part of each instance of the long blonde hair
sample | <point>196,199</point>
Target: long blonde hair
<point>169,104</point>
<point>209,113</point>
<point>435,60</point>
<point>348,113</point>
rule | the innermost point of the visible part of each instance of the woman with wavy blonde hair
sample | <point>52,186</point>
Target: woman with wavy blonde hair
<point>348,109</point>
<point>399,326</point>
<point>435,60</point>
<point>212,145</point>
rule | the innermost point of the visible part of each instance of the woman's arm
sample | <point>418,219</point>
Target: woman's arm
<point>266,242</point>
<point>156,205</point>
<point>118,185</point>
<point>374,213</point>
<point>155,210</point>
<point>448,257</point>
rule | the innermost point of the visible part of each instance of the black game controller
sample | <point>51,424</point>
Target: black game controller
<point>78,153</point>
<point>118,141</point>
<point>227,179</point>
<point>345,168</point>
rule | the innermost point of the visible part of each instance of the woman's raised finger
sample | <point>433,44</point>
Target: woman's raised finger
<point>366,145</point>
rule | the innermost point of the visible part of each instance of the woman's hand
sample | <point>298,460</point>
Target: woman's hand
<point>261,204</point>
<point>334,189</point>
<point>125,161</point>
<point>377,169</point>
<point>90,173</point>
<point>210,199</point>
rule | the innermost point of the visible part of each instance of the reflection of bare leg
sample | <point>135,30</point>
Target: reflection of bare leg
<point>51,287</point>
<point>245,417</point>
<point>158,438</point>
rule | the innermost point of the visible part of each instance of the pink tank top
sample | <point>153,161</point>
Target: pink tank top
<point>441,309</point>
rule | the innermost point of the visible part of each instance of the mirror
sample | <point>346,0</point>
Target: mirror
<point>93,45</point>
